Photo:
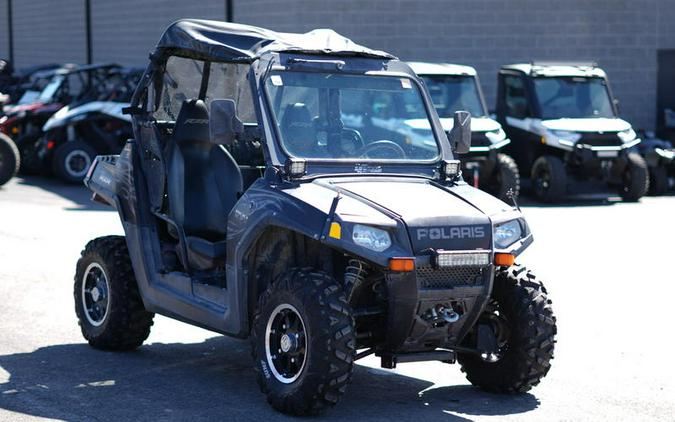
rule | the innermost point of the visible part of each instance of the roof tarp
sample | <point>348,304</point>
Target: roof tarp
<point>231,41</point>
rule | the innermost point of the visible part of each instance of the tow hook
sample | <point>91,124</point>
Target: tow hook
<point>440,315</point>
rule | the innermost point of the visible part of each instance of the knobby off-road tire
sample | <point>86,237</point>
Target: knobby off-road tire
<point>121,323</point>
<point>9,159</point>
<point>658,180</point>
<point>635,178</point>
<point>321,378</point>
<point>72,160</point>
<point>522,301</point>
<point>504,178</point>
<point>549,178</point>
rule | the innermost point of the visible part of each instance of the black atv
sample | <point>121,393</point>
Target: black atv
<point>255,204</point>
<point>563,123</point>
<point>455,87</point>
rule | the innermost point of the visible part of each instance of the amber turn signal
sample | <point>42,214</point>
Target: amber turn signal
<point>504,259</point>
<point>402,264</point>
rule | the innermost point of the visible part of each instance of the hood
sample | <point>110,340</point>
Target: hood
<point>478,124</point>
<point>587,125</point>
<point>435,217</point>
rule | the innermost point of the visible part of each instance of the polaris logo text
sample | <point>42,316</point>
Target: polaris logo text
<point>461,232</point>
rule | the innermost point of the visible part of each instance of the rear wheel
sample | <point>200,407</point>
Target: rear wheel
<point>107,302</point>
<point>72,160</point>
<point>549,178</point>
<point>635,178</point>
<point>522,321</point>
<point>9,159</point>
<point>505,177</point>
<point>303,342</point>
<point>658,180</point>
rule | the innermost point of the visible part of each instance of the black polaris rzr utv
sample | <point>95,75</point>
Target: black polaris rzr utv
<point>251,207</point>
<point>563,123</point>
<point>455,87</point>
<point>74,135</point>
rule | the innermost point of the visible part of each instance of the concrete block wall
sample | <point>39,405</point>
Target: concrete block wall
<point>125,31</point>
<point>621,35</point>
<point>46,31</point>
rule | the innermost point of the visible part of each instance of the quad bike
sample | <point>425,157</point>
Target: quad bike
<point>73,136</point>
<point>455,87</point>
<point>9,159</point>
<point>69,85</point>
<point>563,123</point>
<point>254,208</point>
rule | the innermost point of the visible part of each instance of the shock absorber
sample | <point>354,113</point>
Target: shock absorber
<point>355,274</point>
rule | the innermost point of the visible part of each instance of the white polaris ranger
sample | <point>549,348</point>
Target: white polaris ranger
<point>456,87</point>
<point>563,122</point>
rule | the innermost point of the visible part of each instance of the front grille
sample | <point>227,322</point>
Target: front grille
<point>449,277</point>
<point>600,139</point>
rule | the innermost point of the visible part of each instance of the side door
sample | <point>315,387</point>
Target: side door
<point>515,113</point>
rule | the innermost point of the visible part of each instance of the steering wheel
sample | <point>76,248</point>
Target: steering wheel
<point>391,149</point>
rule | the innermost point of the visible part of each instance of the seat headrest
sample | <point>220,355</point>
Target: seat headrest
<point>297,124</point>
<point>192,123</point>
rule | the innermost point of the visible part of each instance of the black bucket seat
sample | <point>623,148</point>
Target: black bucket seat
<point>204,183</point>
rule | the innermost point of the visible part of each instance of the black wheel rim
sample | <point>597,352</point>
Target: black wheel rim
<point>286,343</point>
<point>95,294</point>
<point>542,180</point>
<point>627,180</point>
<point>497,321</point>
<point>77,163</point>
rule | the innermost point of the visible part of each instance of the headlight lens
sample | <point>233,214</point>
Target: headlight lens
<point>377,240</point>
<point>506,234</point>
<point>495,136</point>
<point>627,135</point>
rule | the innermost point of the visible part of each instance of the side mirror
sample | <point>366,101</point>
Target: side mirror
<point>616,105</point>
<point>460,135</point>
<point>224,125</point>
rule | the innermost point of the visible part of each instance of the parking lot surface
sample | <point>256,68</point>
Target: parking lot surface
<point>607,266</point>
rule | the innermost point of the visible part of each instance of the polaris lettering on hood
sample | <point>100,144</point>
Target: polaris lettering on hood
<point>450,223</point>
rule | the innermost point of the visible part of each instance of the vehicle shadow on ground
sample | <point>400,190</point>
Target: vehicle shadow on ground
<point>208,381</point>
<point>76,193</point>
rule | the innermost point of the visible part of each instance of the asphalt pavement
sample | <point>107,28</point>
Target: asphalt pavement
<point>607,266</point>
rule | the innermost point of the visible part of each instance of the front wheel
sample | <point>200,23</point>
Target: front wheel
<point>504,178</point>
<point>303,342</point>
<point>524,327</point>
<point>72,161</point>
<point>549,178</point>
<point>635,178</point>
<point>9,159</point>
<point>107,302</point>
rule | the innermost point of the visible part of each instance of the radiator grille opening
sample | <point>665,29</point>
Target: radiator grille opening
<point>447,278</point>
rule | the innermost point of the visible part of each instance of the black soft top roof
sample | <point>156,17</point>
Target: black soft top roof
<point>236,42</point>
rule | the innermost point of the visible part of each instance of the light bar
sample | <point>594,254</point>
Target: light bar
<point>451,168</point>
<point>462,259</point>
<point>295,167</point>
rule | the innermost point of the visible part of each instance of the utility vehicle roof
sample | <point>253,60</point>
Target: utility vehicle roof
<point>236,42</point>
<point>69,68</point>
<point>557,69</point>
<point>424,68</point>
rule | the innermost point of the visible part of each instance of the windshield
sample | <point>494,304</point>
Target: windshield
<point>332,116</point>
<point>573,97</point>
<point>48,91</point>
<point>451,93</point>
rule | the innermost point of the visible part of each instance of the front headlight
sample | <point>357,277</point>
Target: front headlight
<point>495,136</point>
<point>377,240</point>
<point>506,234</point>
<point>627,135</point>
